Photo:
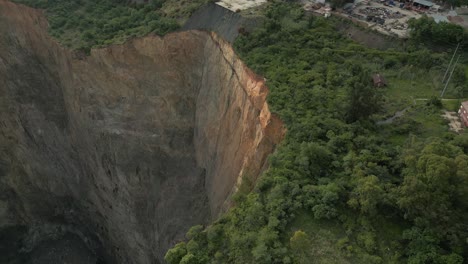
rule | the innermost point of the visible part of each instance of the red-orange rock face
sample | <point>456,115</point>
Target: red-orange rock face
<point>134,143</point>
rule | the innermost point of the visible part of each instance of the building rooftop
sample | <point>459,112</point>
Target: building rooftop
<point>439,18</point>
<point>465,104</point>
<point>424,3</point>
<point>378,79</point>
<point>237,5</point>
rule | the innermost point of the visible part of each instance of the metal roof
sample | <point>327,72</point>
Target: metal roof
<point>465,105</point>
<point>424,3</point>
<point>439,18</point>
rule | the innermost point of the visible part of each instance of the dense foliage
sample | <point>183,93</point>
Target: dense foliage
<point>425,29</point>
<point>84,24</point>
<point>380,201</point>
<point>453,3</point>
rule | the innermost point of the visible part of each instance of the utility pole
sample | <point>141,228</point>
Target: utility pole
<point>453,56</point>
<point>450,76</point>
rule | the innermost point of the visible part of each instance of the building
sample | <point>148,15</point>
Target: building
<point>439,18</point>
<point>463,113</point>
<point>327,10</point>
<point>423,4</point>
<point>379,80</point>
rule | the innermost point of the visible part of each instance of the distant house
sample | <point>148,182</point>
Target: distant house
<point>423,3</point>
<point>379,80</point>
<point>327,10</point>
<point>463,113</point>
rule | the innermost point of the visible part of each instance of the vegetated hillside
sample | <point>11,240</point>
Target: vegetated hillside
<point>340,188</point>
<point>84,24</point>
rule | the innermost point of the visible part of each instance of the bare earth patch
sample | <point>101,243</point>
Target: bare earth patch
<point>454,121</point>
<point>235,5</point>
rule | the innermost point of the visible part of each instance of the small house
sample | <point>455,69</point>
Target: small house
<point>379,80</point>
<point>463,113</point>
<point>327,11</point>
<point>422,5</point>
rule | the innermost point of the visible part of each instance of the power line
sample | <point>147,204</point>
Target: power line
<point>445,75</point>
<point>450,76</point>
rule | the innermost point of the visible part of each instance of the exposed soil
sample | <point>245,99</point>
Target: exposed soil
<point>370,38</point>
<point>455,124</point>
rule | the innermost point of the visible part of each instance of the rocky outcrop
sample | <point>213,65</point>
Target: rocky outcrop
<point>130,146</point>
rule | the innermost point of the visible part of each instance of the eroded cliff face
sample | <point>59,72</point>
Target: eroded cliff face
<point>129,147</point>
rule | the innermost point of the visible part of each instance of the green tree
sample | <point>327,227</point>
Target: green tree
<point>423,247</point>
<point>175,254</point>
<point>366,195</point>
<point>427,189</point>
<point>189,259</point>
<point>425,29</point>
<point>459,76</point>
<point>433,196</point>
<point>300,245</point>
<point>363,99</point>
<point>194,232</point>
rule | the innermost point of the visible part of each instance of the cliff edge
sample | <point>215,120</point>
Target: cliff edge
<point>127,147</point>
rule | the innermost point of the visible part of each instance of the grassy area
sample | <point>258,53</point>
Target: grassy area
<point>410,88</point>
<point>328,241</point>
<point>453,104</point>
<point>431,124</point>
<point>413,82</point>
<point>324,242</point>
<point>419,119</point>
<point>86,24</point>
<point>401,88</point>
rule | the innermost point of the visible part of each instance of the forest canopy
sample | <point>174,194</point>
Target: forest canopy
<point>344,187</point>
<point>425,29</point>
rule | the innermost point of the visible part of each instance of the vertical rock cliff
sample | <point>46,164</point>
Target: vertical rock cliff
<point>129,147</point>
